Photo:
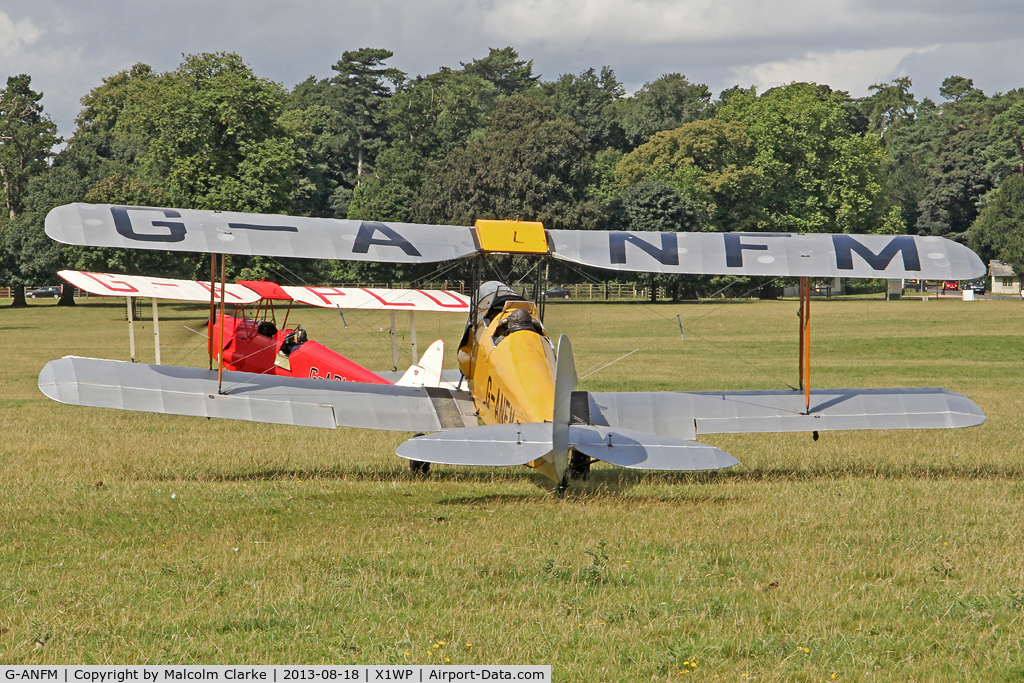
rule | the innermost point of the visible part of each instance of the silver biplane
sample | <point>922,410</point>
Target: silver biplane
<point>515,380</point>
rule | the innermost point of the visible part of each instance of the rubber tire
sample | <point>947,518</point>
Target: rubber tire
<point>418,467</point>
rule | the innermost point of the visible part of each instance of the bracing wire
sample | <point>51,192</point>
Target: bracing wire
<point>598,367</point>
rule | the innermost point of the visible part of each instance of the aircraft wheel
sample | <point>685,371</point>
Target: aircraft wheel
<point>579,466</point>
<point>418,467</point>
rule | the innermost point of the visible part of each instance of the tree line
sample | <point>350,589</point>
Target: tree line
<point>492,139</point>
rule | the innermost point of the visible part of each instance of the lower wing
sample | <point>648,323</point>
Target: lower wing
<point>687,414</point>
<point>256,398</point>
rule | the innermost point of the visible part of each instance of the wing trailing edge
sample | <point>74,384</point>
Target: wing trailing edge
<point>686,414</point>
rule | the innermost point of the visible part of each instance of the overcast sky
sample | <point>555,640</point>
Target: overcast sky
<point>69,46</point>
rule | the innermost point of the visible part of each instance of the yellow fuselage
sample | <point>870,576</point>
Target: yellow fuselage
<point>513,380</point>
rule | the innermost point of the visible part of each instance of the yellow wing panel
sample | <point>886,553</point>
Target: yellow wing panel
<point>515,237</point>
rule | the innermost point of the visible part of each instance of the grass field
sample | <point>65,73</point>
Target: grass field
<point>138,538</point>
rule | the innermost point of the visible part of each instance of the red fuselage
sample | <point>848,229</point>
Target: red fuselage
<point>259,347</point>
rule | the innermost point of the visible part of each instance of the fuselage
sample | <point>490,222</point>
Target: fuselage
<point>259,347</point>
<point>511,374</point>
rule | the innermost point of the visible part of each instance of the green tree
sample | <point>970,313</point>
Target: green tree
<point>710,164</point>
<point>27,256</point>
<point>27,136</point>
<point>654,206</point>
<point>434,114</point>
<point>428,118</point>
<point>912,148</point>
<point>817,175</point>
<point>999,231</point>
<point>391,191</point>
<point>503,68</point>
<point>588,100</point>
<point>528,163</point>
<point>955,183</point>
<point>212,135</point>
<point>958,88</point>
<point>359,91</point>
<point>95,148</point>
<point>890,104</point>
<point>663,104</point>
<point>651,205</point>
<point>1004,153</point>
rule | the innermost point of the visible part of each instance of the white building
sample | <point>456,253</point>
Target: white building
<point>1004,280</point>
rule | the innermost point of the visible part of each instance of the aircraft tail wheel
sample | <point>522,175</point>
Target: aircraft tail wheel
<point>579,466</point>
<point>418,467</point>
<point>815,436</point>
<point>563,486</point>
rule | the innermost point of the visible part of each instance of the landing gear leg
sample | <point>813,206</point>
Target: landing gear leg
<point>563,486</point>
<point>579,465</point>
<point>418,467</point>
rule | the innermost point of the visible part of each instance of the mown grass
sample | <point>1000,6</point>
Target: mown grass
<point>868,556</point>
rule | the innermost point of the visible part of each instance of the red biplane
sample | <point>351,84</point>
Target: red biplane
<point>251,341</point>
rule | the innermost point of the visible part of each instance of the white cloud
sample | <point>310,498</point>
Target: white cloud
<point>633,22</point>
<point>850,70</point>
<point>69,46</point>
<point>15,36</point>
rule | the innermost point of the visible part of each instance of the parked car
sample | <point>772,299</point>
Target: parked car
<point>976,286</point>
<point>45,293</point>
<point>557,293</point>
<point>950,285</point>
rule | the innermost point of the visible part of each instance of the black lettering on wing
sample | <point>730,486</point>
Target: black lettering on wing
<point>905,245</point>
<point>253,226</point>
<point>123,225</point>
<point>667,255</point>
<point>365,239</point>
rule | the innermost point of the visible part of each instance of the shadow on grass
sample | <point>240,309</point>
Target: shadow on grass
<point>605,482</point>
<point>869,472</point>
<point>491,498</point>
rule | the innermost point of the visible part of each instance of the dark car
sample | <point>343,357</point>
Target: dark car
<point>45,293</point>
<point>557,293</point>
<point>976,286</point>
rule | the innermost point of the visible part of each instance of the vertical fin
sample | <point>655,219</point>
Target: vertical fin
<point>565,381</point>
<point>426,373</point>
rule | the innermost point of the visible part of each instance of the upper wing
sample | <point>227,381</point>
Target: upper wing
<point>771,254</point>
<point>733,253</point>
<point>435,300</point>
<point>227,232</point>
<point>256,398</point>
<point>108,284</point>
<point>687,414</point>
